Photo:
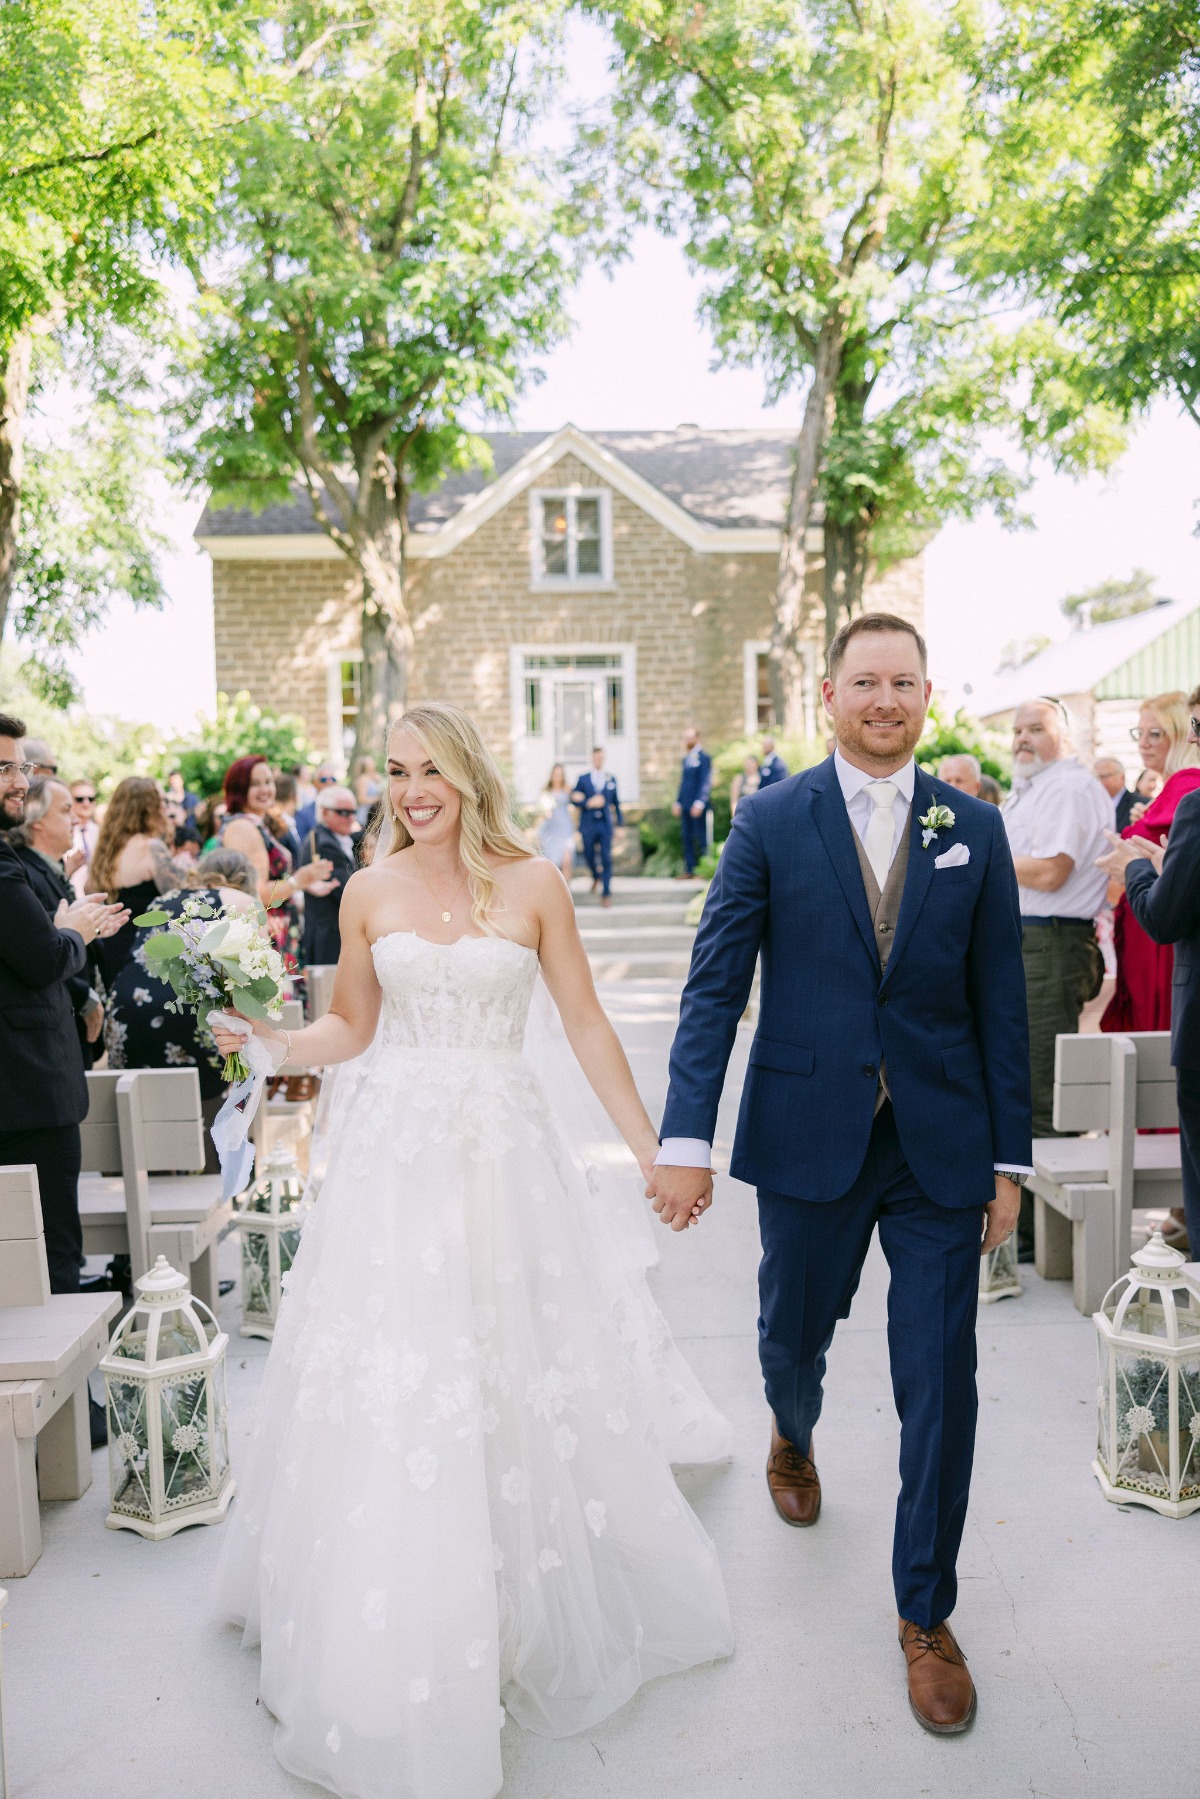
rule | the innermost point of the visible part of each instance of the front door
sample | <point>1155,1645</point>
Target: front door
<point>574,707</point>
<point>564,704</point>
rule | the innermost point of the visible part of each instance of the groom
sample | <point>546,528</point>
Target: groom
<point>888,1085</point>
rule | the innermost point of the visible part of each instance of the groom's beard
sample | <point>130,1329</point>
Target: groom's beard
<point>888,748</point>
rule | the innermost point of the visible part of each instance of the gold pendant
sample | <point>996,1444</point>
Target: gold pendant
<point>446,917</point>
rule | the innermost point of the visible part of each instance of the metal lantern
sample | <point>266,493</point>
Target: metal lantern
<point>270,1220</point>
<point>168,1433</point>
<point>998,1276</point>
<point>1149,1393</point>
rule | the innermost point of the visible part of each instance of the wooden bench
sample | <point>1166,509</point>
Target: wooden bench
<point>142,1128</point>
<point>1087,1187</point>
<point>49,1344</point>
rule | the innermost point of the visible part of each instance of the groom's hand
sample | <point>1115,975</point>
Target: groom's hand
<point>681,1195</point>
<point>1001,1214</point>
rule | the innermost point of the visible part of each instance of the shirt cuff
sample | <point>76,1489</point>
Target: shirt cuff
<point>1012,1168</point>
<point>685,1152</point>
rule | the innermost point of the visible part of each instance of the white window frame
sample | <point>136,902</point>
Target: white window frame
<point>540,581</point>
<point>752,649</point>
<point>333,705</point>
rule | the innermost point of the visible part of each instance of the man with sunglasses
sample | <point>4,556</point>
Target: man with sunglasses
<point>1162,885</point>
<point>43,1092</point>
<point>332,837</point>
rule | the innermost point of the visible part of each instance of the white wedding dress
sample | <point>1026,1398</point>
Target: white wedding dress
<point>460,1491</point>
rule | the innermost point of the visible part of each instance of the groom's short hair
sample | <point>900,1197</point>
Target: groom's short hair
<point>877,622</point>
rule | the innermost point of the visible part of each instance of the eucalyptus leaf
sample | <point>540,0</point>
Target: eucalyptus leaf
<point>163,948</point>
<point>153,918</point>
<point>252,1008</point>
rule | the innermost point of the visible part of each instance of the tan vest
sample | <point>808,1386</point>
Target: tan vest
<point>885,910</point>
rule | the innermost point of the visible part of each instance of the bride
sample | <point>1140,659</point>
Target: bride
<point>461,1490</point>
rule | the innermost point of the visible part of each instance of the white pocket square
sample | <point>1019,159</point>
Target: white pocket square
<point>957,856</point>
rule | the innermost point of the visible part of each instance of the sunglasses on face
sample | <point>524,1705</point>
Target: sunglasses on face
<point>342,811</point>
<point>326,780</point>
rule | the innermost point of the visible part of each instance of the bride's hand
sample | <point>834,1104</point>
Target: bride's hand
<point>681,1195</point>
<point>230,1042</point>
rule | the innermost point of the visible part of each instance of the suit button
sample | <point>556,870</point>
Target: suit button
<point>884,1000</point>
<point>870,1069</point>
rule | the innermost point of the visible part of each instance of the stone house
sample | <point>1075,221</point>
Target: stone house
<point>1102,674</point>
<point>592,587</point>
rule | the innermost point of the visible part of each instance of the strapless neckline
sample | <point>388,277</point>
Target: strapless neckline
<point>466,937</point>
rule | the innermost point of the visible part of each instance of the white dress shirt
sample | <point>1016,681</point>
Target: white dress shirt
<point>1061,811</point>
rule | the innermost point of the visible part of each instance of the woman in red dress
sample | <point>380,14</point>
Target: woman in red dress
<point>1142,1000</point>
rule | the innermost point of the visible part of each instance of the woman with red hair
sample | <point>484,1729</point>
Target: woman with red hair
<point>248,828</point>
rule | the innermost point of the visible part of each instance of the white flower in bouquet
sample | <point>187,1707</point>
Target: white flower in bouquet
<point>216,958</point>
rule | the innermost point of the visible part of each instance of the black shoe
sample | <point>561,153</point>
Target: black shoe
<point>224,1287</point>
<point>98,1420</point>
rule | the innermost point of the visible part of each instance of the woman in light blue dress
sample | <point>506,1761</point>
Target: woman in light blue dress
<point>556,833</point>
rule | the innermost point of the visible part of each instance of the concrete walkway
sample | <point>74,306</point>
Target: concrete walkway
<point>1080,1618</point>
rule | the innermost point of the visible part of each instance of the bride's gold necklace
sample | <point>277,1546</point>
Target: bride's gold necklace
<point>448,913</point>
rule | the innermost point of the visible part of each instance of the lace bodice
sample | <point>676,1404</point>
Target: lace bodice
<point>471,996</point>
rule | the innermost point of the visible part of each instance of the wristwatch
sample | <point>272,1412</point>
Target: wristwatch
<point>1010,1174</point>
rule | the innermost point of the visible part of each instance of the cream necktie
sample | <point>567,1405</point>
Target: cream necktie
<point>881,830</point>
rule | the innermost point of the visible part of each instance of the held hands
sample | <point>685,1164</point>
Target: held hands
<point>1002,1214</point>
<point>681,1195</point>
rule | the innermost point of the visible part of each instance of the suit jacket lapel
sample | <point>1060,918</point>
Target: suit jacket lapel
<point>920,869</point>
<point>837,833</point>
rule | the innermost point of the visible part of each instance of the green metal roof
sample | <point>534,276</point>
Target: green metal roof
<point>1170,662</point>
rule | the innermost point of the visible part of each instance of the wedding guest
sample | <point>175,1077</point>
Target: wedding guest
<point>1055,816</point>
<point>43,842</point>
<point>306,815</point>
<point>177,790</point>
<point>991,790</point>
<point>43,1095</point>
<point>306,791</point>
<point>595,792</point>
<point>691,801</point>
<point>41,756</point>
<point>748,779</point>
<point>1163,890</point>
<point>87,828</point>
<point>367,786</point>
<point>283,816</point>
<point>131,863</point>
<point>1142,1000</point>
<point>331,839</point>
<point>961,771</point>
<point>210,816</point>
<point>1111,775</point>
<point>140,1032</point>
<point>773,767</point>
<point>556,833</point>
<point>249,798</point>
<point>1145,789</point>
<point>184,842</point>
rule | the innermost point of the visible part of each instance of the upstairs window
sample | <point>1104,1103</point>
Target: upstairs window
<point>572,539</point>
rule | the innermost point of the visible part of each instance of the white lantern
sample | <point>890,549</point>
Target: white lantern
<point>998,1276</point>
<point>168,1434</point>
<point>1149,1392</point>
<point>270,1221</point>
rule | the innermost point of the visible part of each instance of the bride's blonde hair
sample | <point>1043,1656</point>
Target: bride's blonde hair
<point>451,740</point>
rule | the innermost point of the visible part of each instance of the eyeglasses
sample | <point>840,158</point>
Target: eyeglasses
<point>28,769</point>
<point>341,811</point>
<point>326,780</point>
<point>1151,736</point>
<point>1195,725</point>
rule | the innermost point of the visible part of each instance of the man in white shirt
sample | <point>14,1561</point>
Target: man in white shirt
<point>1056,817</point>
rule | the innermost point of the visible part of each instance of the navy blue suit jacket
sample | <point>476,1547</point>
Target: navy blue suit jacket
<point>774,769</point>
<point>949,1015</point>
<point>593,816</point>
<point>1167,907</point>
<point>695,783</point>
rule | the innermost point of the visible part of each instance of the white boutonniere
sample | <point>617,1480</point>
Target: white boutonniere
<point>938,818</point>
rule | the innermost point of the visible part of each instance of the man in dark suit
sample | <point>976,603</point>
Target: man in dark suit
<point>1163,890</point>
<point>306,817</point>
<point>43,1093</point>
<point>595,793</point>
<point>43,841</point>
<point>888,1085</point>
<point>332,837</point>
<point>1111,775</point>
<point>772,768</point>
<point>691,802</point>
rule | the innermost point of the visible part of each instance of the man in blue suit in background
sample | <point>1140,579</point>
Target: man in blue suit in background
<point>595,793</point>
<point>691,802</point>
<point>772,768</point>
<point>888,1085</point>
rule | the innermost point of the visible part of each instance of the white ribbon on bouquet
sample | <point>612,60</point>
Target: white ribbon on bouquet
<point>230,1128</point>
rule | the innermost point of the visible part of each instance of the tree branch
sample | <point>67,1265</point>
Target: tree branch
<point>80,157</point>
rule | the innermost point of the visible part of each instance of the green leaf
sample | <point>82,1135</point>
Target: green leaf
<point>252,1008</point>
<point>264,988</point>
<point>164,947</point>
<point>152,918</point>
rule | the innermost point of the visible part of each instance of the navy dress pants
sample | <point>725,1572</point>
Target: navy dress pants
<point>1187,1091</point>
<point>597,851</point>
<point>695,838</point>
<point>812,1258</point>
<point>56,1153</point>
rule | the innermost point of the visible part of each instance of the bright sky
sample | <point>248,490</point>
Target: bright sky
<point>639,359</point>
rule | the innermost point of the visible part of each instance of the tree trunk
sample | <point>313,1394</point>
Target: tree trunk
<point>845,573</point>
<point>785,667</point>
<point>387,637</point>
<point>14,397</point>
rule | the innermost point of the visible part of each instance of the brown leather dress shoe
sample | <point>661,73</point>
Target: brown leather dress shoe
<point>792,1481</point>
<point>941,1692</point>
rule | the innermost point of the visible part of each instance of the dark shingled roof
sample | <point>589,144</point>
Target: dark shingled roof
<point>724,478</point>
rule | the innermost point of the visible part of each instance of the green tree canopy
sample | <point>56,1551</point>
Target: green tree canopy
<point>1111,599</point>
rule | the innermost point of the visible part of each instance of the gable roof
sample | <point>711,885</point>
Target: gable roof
<point>1129,658</point>
<point>716,490</point>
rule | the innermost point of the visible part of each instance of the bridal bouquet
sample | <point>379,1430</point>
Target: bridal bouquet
<point>215,958</point>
